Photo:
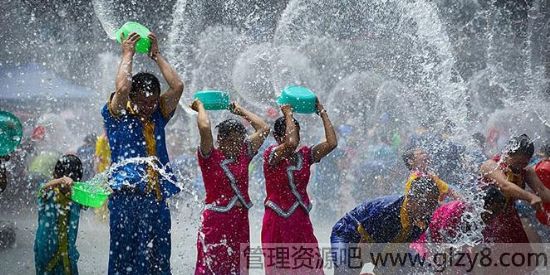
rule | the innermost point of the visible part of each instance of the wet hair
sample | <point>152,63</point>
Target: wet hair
<point>520,145</point>
<point>545,148</point>
<point>493,196</point>
<point>228,126</point>
<point>144,83</point>
<point>408,156</point>
<point>68,166</point>
<point>424,187</point>
<point>279,128</point>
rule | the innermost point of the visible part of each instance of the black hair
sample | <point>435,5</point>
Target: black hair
<point>493,196</point>
<point>279,129</point>
<point>545,148</point>
<point>424,187</point>
<point>68,166</point>
<point>229,126</point>
<point>520,145</point>
<point>144,83</point>
<point>408,156</point>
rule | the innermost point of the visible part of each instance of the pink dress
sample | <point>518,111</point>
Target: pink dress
<point>286,219</point>
<point>224,222</point>
<point>506,227</point>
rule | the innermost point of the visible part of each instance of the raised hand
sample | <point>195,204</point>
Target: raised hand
<point>319,107</point>
<point>154,50</point>
<point>235,108</point>
<point>129,44</point>
<point>196,105</point>
<point>286,109</point>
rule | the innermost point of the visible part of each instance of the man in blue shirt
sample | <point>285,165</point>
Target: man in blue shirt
<point>390,219</point>
<point>135,118</point>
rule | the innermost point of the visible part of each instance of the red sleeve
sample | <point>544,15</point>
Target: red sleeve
<point>205,161</point>
<point>543,172</point>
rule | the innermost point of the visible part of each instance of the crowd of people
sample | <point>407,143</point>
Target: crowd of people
<point>135,119</point>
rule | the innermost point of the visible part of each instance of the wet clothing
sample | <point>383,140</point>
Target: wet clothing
<point>224,222</point>
<point>287,205</point>
<point>382,220</point>
<point>543,172</point>
<point>130,137</point>
<point>103,152</point>
<point>444,226</point>
<point>506,227</point>
<point>139,216</point>
<point>140,233</point>
<point>55,242</point>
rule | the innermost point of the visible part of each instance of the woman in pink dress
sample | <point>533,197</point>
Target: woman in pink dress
<point>510,172</point>
<point>287,205</point>
<point>224,221</point>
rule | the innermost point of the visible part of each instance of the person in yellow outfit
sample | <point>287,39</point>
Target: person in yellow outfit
<point>417,161</point>
<point>103,161</point>
<point>102,153</point>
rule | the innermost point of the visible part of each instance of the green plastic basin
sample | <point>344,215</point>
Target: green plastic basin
<point>90,195</point>
<point>302,99</point>
<point>11,132</point>
<point>213,100</point>
<point>144,43</point>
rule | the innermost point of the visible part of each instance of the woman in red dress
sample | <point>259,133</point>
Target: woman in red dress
<point>287,205</point>
<point>510,172</point>
<point>224,222</point>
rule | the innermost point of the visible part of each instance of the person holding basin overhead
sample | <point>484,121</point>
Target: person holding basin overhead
<point>287,173</point>
<point>135,118</point>
<point>224,221</point>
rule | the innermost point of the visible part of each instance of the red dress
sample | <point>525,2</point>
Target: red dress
<point>286,219</point>
<point>224,222</point>
<point>543,172</point>
<point>507,226</point>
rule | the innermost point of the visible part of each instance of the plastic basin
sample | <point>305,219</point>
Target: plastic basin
<point>144,44</point>
<point>11,132</point>
<point>90,195</point>
<point>302,99</point>
<point>213,100</point>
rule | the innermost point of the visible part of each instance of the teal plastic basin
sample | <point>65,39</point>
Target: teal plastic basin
<point>11,132</point>
<point>213,100</point>
<point>302,99</point>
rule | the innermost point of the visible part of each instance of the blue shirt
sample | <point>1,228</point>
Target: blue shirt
<point>382,220</point>
<point>128,139</point>
<point>47,242</point>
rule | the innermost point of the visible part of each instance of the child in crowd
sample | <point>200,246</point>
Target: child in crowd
<point>55,244</point>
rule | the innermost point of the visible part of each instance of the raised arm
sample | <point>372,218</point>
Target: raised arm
<point>290,140</point>
<point>168,100</point>
<point>261,127</point>
<point>123,82</point>
<point>63,183</point>
<point>490,170</point>
<point>324,148</point>
<point>534,182</point>
<point>205,132</point>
